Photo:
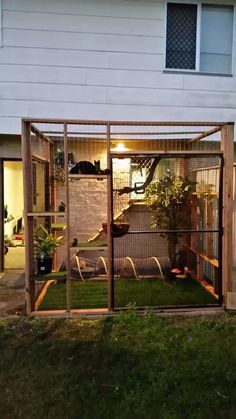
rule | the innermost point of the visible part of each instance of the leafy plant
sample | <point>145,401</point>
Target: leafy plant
<point>59,158</point>
<point>45,242</point>
<point>206,194</point>
<point>59,170</point>
<point>169,198</point>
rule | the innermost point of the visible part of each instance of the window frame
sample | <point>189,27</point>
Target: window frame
<point>197,70</point>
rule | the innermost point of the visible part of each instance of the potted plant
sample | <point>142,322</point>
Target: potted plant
<point>169,199</point>
<point>118,228</point>
<point>45,245</point>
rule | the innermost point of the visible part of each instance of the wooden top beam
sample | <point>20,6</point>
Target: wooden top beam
<point>126,133</point>
<point>183,153</point>
<point>41,135</point>
<point>124,123</point>
<point>205,134</point>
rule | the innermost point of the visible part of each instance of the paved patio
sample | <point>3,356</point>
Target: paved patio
<point>12,293</point>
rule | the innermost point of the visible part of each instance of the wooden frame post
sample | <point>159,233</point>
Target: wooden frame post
<point>68,288</point>
<point>194,222</point>
<point>28,221</point>
<point>210,236</point>
<point>110,275</point>
<point>227,146</point>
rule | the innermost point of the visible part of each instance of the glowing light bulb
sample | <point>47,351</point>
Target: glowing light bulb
<point>120,147</point>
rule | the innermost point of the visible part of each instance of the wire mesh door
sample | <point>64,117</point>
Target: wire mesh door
<point>167,230</point>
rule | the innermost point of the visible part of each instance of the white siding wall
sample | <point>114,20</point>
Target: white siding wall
<point>100,59</point>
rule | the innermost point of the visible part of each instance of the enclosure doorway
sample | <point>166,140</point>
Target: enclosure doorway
<point>13,227</point>
<point>170,206</point>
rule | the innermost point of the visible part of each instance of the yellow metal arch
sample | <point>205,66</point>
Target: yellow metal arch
<point>104,263</point>
<point>79,269</point>
<point>158,265</point>
<point>133,267</point>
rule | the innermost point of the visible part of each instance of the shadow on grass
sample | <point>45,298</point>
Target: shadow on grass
<point>124,367</point>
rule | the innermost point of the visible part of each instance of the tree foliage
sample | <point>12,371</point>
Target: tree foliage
<point>169,199</point>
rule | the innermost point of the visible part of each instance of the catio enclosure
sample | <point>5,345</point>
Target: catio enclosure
<point>126,213</point>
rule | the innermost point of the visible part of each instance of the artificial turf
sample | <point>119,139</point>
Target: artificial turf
<point>142,293</point>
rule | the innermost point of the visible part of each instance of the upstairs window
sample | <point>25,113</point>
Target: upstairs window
<point>181,36</point>
<point>199,37</point>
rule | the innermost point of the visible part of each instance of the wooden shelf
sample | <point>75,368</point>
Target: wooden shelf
<point>58,227</point>
<point>79,177</point>
<point>77,248</point>
<point>212,261</point>
<point>46,214</point>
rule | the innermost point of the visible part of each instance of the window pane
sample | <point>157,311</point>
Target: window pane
<point>181,36</point>
<point>216,39</point>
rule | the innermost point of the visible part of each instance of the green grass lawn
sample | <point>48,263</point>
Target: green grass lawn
<point>146,292</point>
<point>121,367</point>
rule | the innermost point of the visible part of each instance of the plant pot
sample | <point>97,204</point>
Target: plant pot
<point>44,265</point>
<point>118,229</point>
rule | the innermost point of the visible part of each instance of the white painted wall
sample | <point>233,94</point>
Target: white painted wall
<point>13,188</point>
<point>99,59</point>
<point>10,146</point>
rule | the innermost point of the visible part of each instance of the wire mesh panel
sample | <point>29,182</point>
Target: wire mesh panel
<point>156,196</point>
<point>87,188</point>
<point>48,218</point>
<point>146,279</point>
<point>167,239</point>
<point>70,184</point>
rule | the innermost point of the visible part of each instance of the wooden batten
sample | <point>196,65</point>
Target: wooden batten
<point>68,287</point>
<point>28,207</point>
<point>123,123</point>
<point>227,146</point>
<point>194,220</point>
<point>205,135</point>
<point>109,221</point>
<point>38,133</point>
<point>210,236</point>
<point>52,192</point>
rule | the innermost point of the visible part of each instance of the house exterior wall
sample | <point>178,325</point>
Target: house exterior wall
<point>10,147</point>
<point>99,59</point>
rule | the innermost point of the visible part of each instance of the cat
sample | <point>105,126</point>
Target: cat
<point>88,168</point>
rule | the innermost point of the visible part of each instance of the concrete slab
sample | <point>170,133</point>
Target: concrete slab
<point>12,292</point>
<point>14,279</point>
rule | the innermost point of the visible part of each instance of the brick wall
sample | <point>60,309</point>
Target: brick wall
<point>88,207</point>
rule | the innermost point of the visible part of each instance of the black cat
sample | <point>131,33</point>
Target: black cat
<point>88,168</point>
